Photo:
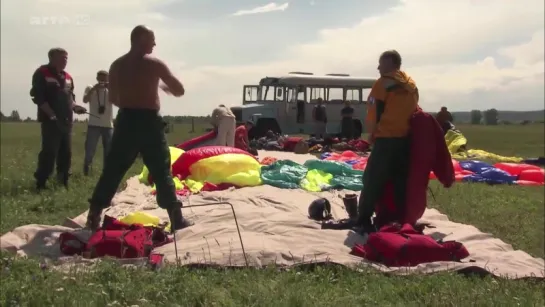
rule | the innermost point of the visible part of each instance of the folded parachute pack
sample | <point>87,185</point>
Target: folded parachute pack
<point>402,246</point>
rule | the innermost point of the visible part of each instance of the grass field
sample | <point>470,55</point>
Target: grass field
<point>513,214</point>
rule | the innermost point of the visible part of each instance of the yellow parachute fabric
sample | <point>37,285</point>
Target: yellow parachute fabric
<point>316,180</point>
<point>175,153</point>
<point>457,142</point>
<point>140,217</point>
<point>237,169</point>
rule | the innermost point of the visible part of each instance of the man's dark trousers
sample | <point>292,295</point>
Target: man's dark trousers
<point>389,161</point>
<point>56,148</point>
<point>136,132</point>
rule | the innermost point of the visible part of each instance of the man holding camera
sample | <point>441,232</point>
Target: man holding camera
<point>100,125</point>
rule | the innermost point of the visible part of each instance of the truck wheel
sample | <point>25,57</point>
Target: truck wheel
<point>262,126</point>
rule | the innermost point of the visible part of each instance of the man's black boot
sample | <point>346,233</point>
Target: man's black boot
<point>365,226</point>
<point>177,221</point>
<point>93,219</point>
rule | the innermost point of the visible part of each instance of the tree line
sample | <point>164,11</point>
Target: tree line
<point>477,117</point>
<point>15,117</point>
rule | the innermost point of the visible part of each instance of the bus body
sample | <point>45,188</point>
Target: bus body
<point>284,104</point>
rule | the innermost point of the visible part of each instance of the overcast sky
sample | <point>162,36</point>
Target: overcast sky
<point>464,54</point>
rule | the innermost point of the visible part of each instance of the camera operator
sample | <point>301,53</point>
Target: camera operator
<point>100,124</point>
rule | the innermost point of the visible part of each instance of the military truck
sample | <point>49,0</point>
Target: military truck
<point>284,104</point>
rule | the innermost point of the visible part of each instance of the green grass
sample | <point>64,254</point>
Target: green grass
<point>511,213</point>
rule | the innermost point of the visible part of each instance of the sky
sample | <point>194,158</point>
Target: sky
<point>463,54</point>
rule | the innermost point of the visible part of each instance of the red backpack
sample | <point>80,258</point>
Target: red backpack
<point>116,239</point>
<point>398,246</point>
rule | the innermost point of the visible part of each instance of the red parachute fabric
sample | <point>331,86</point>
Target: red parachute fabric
<point>516,169</point>
<point>180,168</point>
<point>197,140</point>
<point>534,175</point>
<point>428,152</point>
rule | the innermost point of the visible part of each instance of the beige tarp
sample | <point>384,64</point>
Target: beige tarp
<point>275,229</point>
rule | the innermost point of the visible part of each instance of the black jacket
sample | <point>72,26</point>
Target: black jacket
<point>55,89</point>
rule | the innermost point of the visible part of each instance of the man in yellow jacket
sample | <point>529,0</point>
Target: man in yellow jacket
<point>393,100</point>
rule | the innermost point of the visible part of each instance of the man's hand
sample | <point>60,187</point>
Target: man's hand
<point>79,109</point>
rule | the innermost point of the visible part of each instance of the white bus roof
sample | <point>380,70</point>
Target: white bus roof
<point>318,81</point>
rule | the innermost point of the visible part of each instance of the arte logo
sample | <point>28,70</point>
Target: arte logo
<point>77,20</point>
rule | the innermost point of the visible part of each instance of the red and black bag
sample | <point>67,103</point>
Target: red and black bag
<point>397,246</point>
<point>116,239</point>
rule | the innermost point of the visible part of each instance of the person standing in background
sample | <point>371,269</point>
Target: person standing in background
<point>319,115</point>
<point>225,122</point>
<point>100,124</point>
<point>347,122</point>
<point>53,92</point>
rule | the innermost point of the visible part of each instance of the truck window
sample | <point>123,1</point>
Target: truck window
<point>354,95</point>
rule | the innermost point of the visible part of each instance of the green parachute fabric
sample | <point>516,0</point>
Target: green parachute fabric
<point>333,174</point>
<point>284,174</point>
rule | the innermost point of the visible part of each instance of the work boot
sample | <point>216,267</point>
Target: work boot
<point>86,170</point>
<point>62,178</point>
<point>351,205</point>
<point>40,186</point>
<point>365,226</point>
<point>93,219</point>
<point>177,220</point>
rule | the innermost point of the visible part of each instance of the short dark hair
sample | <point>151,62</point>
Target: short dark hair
<point>137,32</point>
<point>102,73</point>
<point>54,51</point>
<point>393,55</point>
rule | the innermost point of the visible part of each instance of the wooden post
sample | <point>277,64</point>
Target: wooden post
<point>192,124</point>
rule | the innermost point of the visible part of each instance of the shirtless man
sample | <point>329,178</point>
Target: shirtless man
<point>139,129</point>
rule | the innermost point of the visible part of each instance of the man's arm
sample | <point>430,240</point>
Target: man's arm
<point>73,94</point>
<point>174,85</point>
<point>113,84</point>
<point>87,94</point>
<point>38,93</point>
<point>378,92</point>
<point>214,117</point>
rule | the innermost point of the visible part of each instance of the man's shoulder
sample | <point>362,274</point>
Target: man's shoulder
<point>41,69</point>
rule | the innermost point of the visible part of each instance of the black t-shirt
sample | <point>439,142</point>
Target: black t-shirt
<point>347,111</point>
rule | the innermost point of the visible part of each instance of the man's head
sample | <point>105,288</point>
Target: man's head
<point>102,76</point>
<point>249,124</point>
<point>319,100</point>
<point>58,58</point>
<point>389,61</point>
<point>142,39</point>
<point>347,103</point>
<point>444,109</point>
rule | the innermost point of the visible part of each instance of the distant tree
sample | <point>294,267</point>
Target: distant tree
<point>14,117</point>
<point>491,117</point>
<point>28,120</point>
<point>476,117</point>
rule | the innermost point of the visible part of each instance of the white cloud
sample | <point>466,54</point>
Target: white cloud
<point>441,42</point>
<point>267,8</point>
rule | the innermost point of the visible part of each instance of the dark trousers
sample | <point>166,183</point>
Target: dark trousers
<point>136,132</point>
<point>388,162</point>
<point>347,127</point>
<point>56,149</point>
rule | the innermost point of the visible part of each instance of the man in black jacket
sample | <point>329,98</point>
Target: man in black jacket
<point>53,92</point>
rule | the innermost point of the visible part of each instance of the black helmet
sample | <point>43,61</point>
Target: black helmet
<point>320,210</point>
